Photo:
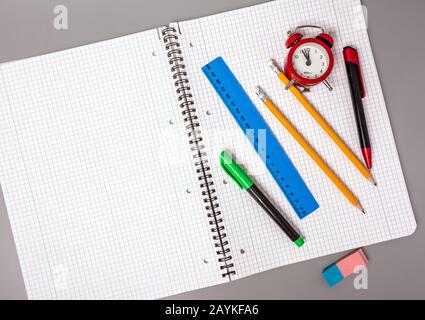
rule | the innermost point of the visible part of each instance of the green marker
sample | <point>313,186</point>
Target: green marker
<point>245,182</point>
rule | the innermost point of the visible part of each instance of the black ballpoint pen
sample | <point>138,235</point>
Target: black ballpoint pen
<point>357,94</point>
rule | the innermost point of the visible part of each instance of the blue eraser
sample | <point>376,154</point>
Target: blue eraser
<point>332,275</point>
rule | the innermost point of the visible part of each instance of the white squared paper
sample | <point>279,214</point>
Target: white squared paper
<point>99,180</point>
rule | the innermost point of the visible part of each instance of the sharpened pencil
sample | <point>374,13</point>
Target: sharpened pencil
<point>325,126</point>
<point>309,149</point>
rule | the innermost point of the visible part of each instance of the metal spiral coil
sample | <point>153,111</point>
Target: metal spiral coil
<point>203,170</point>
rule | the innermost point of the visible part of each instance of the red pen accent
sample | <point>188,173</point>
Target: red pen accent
<point>367,155</point>
<point>351,55</point>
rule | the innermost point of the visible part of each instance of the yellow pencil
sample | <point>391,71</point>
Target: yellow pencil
<point>309,149</point>
<point>322,122</point>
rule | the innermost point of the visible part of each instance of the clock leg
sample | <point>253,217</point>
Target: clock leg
<point>327,84</point>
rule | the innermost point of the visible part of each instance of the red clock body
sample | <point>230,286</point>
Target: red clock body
<point>310,61</point>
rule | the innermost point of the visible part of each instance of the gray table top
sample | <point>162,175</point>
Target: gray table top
<point>395,28</point>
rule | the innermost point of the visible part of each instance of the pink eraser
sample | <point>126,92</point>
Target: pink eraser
<point>348,264</point>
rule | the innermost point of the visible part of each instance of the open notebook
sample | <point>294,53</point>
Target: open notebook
<point>107,194</point>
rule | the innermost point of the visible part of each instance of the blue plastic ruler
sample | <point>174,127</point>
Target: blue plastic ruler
<point>249,119</point>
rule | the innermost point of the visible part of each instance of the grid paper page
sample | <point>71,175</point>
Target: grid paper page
<point>97,175</point>
<point>247,39</point>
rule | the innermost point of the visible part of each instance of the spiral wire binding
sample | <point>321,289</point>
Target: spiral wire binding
<point>190,118</point>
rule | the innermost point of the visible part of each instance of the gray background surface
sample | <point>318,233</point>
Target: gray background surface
<point>396,28</point>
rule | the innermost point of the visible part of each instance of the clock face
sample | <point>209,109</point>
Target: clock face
<point>310,61</point>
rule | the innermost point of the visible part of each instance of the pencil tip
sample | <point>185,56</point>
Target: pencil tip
<point>373,181</point>
<point>359,206</point>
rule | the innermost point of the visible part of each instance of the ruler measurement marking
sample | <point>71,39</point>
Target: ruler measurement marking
<point>248,117</point>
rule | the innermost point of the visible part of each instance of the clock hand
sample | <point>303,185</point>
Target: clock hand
<point>308,59</point>
<point>306,53</point>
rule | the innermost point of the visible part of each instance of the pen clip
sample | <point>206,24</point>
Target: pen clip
<point>351,55</point>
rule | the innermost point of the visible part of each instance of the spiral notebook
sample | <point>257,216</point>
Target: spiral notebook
<point>109,158</point>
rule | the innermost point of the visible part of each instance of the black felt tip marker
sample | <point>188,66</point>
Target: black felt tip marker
<point>245,182</point>
<point>358,92</point>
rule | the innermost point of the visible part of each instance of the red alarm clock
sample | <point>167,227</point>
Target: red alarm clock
<point>310,60</point>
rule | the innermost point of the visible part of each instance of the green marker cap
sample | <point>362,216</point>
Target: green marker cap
<point>299,242</point>
<point>234,171</point>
